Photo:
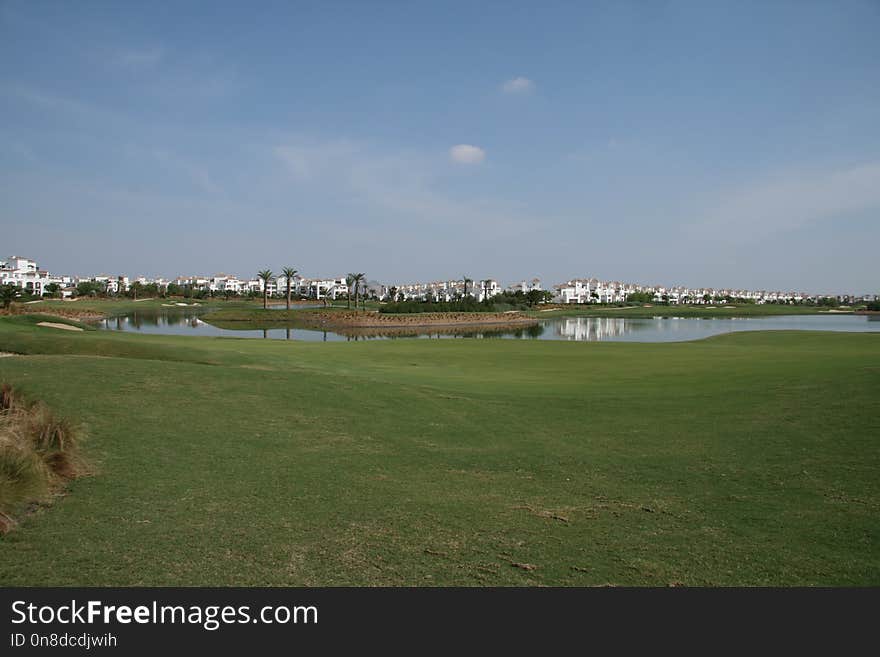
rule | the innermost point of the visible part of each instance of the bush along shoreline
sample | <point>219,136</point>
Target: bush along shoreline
<point>39,455</point>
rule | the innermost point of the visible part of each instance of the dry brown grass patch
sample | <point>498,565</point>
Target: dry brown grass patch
<point>39,454</point>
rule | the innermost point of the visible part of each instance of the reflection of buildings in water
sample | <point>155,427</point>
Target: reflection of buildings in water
<point>591,329</point>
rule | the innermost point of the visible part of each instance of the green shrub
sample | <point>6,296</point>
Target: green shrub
<point>465,305</point>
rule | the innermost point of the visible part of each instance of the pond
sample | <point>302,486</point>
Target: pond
<point>581,329</point>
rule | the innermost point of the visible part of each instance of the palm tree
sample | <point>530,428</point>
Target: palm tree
<point>289,273</point>
<point>358,279</point>
<point>349,281</point>
<point>466,281</point>
<point>266,276</point>
<point>486,288</point>
<point>8,293</point>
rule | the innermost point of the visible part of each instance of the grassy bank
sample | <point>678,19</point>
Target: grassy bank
<point>342,318</point>
<point>87,308</point>
<point>745,459</point>
<point>263,316</point>
<point>723,310</point>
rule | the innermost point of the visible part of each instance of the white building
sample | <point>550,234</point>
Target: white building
<point>526,286</point>
<point>321,288</point>
<point>25,274</point>
<point>486,289</point>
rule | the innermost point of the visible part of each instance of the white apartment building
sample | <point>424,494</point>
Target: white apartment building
<point>18,264</point>
<point>526,286</point>
<point>486,289</point>
<point>321,288</point>
<point>444,290</point>
<point>25,274</point>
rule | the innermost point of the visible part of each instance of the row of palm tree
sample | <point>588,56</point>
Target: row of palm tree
<point>267,276</point>
<point>353,279</point>
<point>484,285</point>
<point>288,273</point>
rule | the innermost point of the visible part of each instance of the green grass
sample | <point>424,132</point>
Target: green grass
<point>657,310</point>
<point>261,316</point>
<point>749,458</point>
<point>112,307</point>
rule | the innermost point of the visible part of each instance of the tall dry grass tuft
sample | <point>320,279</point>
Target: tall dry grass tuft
<point>7,397</point>
<point>39,454</point>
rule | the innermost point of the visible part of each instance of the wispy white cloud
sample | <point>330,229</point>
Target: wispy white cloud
<point>792,200</point>
<point>307,160</point>
<point>518,85</point>
<point>17,148</point>
<point>202,78</point>
<point>48,101</point>
<point>467,154</point>
<point>171,74</point>
<point>196,174</point>
<point>400,187</point>
<point>139,58</point>
<point>62,105</point>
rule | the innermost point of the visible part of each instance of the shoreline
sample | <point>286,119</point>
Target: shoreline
<point>374,320</point>
<point>61,313</point>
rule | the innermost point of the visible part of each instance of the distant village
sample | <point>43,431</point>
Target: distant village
<point>33,281</point>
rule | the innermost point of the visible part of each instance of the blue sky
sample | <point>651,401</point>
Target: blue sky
<point>700,143</point>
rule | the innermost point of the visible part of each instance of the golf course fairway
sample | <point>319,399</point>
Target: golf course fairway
<point>746,459</point>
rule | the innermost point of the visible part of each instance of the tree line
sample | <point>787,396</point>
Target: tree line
<point>504,301</point>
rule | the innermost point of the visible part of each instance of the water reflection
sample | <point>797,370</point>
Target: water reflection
<point>141,320</point>
<point>677,329</point>
<point>509,331</point>
<point>591,329</point>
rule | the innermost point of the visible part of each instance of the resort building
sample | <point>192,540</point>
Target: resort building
<point>526,287</point>
<point>24,273</point>
<point>441,290</point>
<point>322,288</point>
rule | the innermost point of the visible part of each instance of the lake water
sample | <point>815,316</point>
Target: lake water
<point>581,329</point>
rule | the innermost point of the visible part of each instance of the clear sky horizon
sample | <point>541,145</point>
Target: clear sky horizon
<point>722,144</point>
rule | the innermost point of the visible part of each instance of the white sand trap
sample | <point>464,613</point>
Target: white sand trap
<point>66,327</point>
<point>6,354</point>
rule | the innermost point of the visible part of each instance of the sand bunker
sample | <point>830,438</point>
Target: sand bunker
<point>66,327</point>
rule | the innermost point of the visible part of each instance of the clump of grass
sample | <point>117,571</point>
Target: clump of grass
<point>39,454</point>
<point>7,397</point>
